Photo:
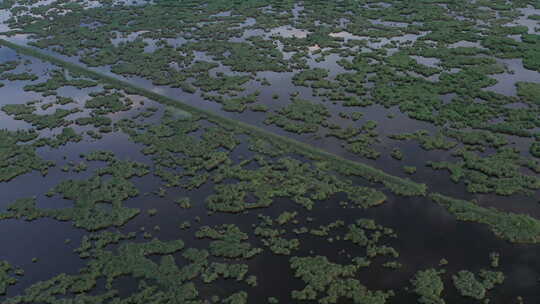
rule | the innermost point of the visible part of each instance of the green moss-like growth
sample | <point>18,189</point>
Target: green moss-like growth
<point>392,265</point>
<point>328,282</point>
<point>286,177</point>
<point>107,103</point>
<point>228,241</point>
<point>183,202</point>
<point>397,154</point>
<point>286,217</point>
<point>89,196</point>
<point>301,116</point>
<point>240,297</point>
<point>427,142</point>
<point>429,286</point>
<point>237,104</point>
<point>67,135</point>
<point>495,258</point>
<point>8,65</point>
<point>367,233</point>
<point>222,84</point>
<point>499,173</point>
<point>259,108</point>
<point>474,137</point>
<point>96,121</point>
<point>16,157</point>
<point>535,149</point>
<point>529,92</point>
<point>517,228</point>
<point>216,270</point>
<point>469,286</point>
<point>409,169</point>
<point>325,229</point>
<point>395,184</point>
<point>40,121</point>
<point>314,78</point>
<point>57,80</point>
<point>6,277</point>
<point>359,141</point>
<point>19,76</point>
<point>273,237</point>
<point>280,245</point>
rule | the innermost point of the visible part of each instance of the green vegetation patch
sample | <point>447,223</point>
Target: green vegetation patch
<point>26,113</point>
<point>500,172</point>
<point>58,79</point>
<point>300,116</point>
<point>274,237</point>
<point>328,282</point>
<point>228,241</point>
<point>469,285</point>
<point>429,286</point>
<point>98,202</point>
<point>6,277</point>
<point>17,157</point>
<point>529,92</point>
<point>367,233</point>
<point>107,103</point>
<point>517,228</point>
<point>427,142</point>
<point>535,149</point>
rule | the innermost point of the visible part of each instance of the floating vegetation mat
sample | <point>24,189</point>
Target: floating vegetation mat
<point>270,152</point>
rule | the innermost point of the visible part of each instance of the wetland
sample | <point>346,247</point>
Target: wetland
<point>270,151</point>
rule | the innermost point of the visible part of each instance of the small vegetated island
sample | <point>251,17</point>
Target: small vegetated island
<point>270,151</point>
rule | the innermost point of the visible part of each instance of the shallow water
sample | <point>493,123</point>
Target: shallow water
<point>415,156</point>
<point>427,232</point>
<point>507,81</point>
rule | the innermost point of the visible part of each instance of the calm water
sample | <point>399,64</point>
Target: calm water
<point>426,231</point>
